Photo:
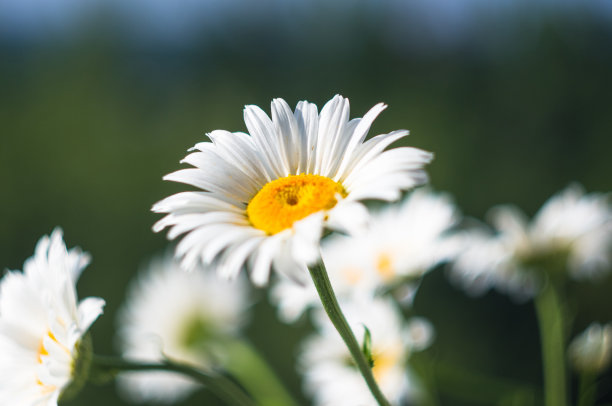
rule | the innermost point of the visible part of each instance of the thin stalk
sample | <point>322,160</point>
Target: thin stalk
<point>319,276</point>
<point>248,366</point>
<point>223,387</point>
<point>552,339</point>
<point>587,389</point>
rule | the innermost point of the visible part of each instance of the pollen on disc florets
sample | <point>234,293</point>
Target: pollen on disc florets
<point>282,202</point>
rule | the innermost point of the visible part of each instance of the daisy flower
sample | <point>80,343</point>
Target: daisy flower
<point>267,196</point>
<point>571,233</point>
<point>42,326</point>
<point>401,243</point>
<point>331,377</point>
<point>486,263</point>
<point>183,316</point>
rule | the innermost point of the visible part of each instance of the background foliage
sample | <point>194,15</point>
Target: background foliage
<point>513,100</point>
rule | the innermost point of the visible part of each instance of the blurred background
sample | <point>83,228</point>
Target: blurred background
<point>100,99</point>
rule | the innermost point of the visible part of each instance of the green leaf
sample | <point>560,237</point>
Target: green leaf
<point>367,346</point>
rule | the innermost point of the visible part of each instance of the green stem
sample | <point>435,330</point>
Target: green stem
<point>330,304</point>
<point>552,339</point>
<point>255,374</point>
<point>587,390</point>
<point>220,385</point>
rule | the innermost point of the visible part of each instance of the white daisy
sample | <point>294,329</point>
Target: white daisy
<point>330,375</point>
<point>183,316</point>
<point>485,262</point>
<point>571,233</point>
<point>402,242</point>
<point>591,351</point>
<point>42,326</point>
<point>267,196</point>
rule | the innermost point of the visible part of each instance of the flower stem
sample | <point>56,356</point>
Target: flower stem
<point>246,364</point>
<point>587,389</point>
<point>223,387</point>
<point>330,304</point>
<point>552,339</point>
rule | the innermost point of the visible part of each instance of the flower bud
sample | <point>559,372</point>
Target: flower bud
<point>591,351</point>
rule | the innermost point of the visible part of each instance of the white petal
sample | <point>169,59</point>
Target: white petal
<point>307,119</point>
<point>266,140</point>
<point>195,202</point>
<point>366,152</point>
<point>287,265</point>
<point>510,220</point>
<point>388,173</point>
<point>239,149</point>
<point>348,217</point>
<point>263,259</point>
<point>290,138</point>
<point>228,176</point>
<point>236,255</point>
<point>89,310</point>
<point>221,241</point>
<point>330,143</point>
<point>188,222</point>
<point>358,136</point>
<point>305,241</point>
<point>208,181</point>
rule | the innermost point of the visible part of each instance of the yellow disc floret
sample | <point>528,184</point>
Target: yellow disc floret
<point>282,202</point>
<point>384,362</point>
<point>384,266</point>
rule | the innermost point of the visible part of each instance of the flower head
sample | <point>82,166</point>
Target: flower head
<point>42,326</point>
<point>571,233</point>
<point>267,196</point>
<point>401,243</point>
<point>330,375</point>
<point>183,316</point>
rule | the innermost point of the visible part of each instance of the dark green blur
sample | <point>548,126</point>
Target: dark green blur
<point>90,124</point>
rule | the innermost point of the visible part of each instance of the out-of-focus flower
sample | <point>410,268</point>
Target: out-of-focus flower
<point>179,315</point>
<point>485,262</point>
<point>402,242</point>
<point>44,352</point>
<point>330,375</point>
<point>266,197</point>
<point>421,333</point>
<point>591,351</point>
<point>571,233</point>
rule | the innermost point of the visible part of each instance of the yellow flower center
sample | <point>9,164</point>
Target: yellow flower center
<point>384,362</point>
<point>282,202</point>
<point>384,266</point>
<point>352,275</point>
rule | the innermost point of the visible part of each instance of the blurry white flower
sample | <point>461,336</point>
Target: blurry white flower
<point>267,196</point>
<point>402,242</point>
<point>421,333</point>
<point>180,315</point>
<point>572,233</point>
<point>42,326</point>
<point>330,375</point>
<point>577,223</point>
<point>591,351</point>
<point>485,262</point>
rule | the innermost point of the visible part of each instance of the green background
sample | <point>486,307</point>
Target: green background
<point>515,108</point>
